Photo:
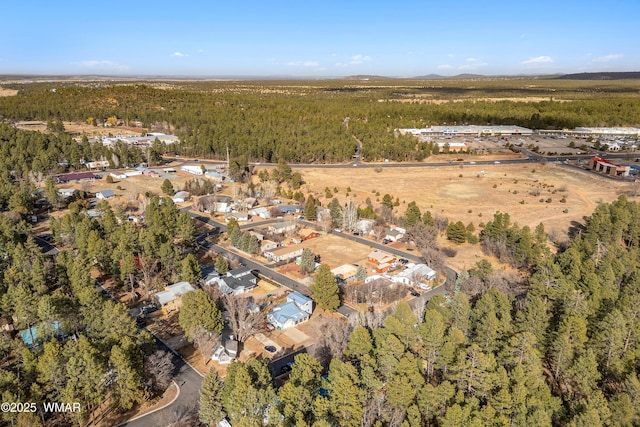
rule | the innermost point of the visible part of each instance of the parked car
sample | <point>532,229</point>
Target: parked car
<point>286,368</point>
<point>413,292</point>
<point>269,327</point>
<point>270,348</point>
<point>149,308</point>
<point>140,322</point>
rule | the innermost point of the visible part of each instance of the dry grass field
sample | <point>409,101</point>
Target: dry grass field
<point>336,251</point>
<point>530,193</point>
<point>8,92</point>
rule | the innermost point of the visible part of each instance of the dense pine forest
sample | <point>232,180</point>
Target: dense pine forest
<point>321,122</point>
<point>564,353</point>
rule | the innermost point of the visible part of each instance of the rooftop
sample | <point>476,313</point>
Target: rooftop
<point>288,311</point>
<point>180,288</point>
<point>298,298</point>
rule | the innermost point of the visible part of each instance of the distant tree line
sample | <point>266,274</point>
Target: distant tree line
<point>306,123</point>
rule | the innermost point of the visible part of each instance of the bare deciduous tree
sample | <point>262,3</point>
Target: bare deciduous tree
<point>243,321</point>
<point>205,342</point>
<point>184,415</point>
<point>349,216</point>
<point>386,214</point>
<point>441,223</point>
<point>158,369</point>
<point>378,232</point>
<point>334,335</point>
<point>417,277</point>
<point>269,189</point>
<point>326,223</point>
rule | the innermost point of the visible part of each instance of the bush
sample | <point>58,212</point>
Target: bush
<point>449,252</point>
<point>109,179</point>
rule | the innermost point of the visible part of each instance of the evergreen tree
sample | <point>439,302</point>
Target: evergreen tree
<point>211,410</point>
<point>199,310</point>
<point>307,261</point>
<point>221,265</point>
<point>310,211</point>
<point>428,219</point>
<point>167,187</point>
<point>190,269</point>
<point>324,290</point>
<point>457,232</point>
<point>387,201</point>
<point>412,215</point>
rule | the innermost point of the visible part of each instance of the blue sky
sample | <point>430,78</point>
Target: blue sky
<point>319,38</point>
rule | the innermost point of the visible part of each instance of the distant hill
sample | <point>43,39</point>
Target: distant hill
<point>367,77</point>
<point>602,76</point>
<point>430,76</point>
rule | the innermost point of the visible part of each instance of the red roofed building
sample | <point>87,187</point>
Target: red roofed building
<point>79,176</point>
<point>599,164</point>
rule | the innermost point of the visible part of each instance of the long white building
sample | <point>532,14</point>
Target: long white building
<point>469,130</point>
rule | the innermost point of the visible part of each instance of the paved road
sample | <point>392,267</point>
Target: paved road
<point>536,156</point>
<point>189,382</point>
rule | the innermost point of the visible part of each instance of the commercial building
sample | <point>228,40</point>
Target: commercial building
<point>604,166</point>
<point>468,130</point>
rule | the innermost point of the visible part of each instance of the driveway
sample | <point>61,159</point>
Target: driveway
<point>189,383</point>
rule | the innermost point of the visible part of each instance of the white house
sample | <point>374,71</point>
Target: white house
<point>181,197</point>
<point>100,164</point>
<point>296,310</point>
<point>304,303</point>
<point>226,352</point>
<point>284,255</point>
<point>414,274</point>
<point>282,227</point>
<point>239,216</point>
<point>220,203</point>
<point>394,234</point>
<point>262,212</point>
<point>193,169</point>
<point>105,194</point>
<point>67,192</point>
<point>365,226</point>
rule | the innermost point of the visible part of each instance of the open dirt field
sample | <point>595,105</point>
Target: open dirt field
<point>336,251</point>
<point>530,193</point>
<point>81,128</point>
<point>8,92</point>
<point>131,187</point>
